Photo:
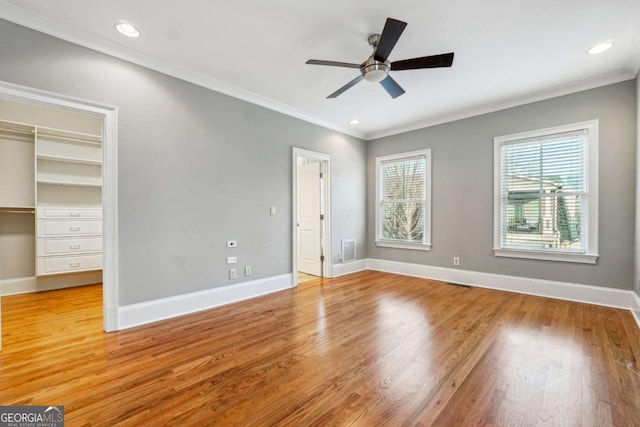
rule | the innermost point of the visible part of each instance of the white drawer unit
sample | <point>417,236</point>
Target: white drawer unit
<point>59,228</point>
<point>76,245</point>
<point>69,213</point>
<point>68,176</point>
<point>56,265</point>
<point>68,239</point>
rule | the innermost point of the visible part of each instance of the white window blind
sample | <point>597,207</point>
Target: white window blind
<point>543,187</point>
<point>543,190</point>
<point>402,204</point>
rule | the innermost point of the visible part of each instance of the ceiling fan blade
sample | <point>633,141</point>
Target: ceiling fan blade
<point>433,61</point>
<point>392,87</point>
<point>390,34</point>
<point>345,87</point>
<point>332,63</point>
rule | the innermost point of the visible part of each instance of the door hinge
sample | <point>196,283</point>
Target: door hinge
<point>321,258</point>
<point>321,216</point>
<point>321,175</point>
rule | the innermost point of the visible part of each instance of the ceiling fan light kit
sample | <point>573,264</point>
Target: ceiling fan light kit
<point>376,68</point>
<point>376,71</point>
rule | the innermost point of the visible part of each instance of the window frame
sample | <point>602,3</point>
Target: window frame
<point>425,245</point>
<point>590,216</point>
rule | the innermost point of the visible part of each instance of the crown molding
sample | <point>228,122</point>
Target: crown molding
<point>34,21</point>
<point>504,104</point>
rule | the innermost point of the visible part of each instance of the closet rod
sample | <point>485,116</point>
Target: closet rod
<point>16,212</point>
<point>15,129</point>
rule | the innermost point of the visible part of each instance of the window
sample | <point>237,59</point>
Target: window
<point>546,194</point>
<point>403,200</point>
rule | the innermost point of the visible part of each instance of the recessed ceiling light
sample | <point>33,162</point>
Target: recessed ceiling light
<point>600,47</point>
<point>127,29</point>
<point>354,122</point>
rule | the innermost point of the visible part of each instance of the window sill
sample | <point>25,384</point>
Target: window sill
<point>404,245</point>
<point>547,256</point>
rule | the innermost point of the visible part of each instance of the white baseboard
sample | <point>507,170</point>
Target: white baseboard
<point>165,308</point>
<point>635,308</point>
<point>349,267</point>
<point>609,297</point>
<point>24,285</point>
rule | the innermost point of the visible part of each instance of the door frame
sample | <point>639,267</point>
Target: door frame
<point>109,115</point>
<point>327,270</point>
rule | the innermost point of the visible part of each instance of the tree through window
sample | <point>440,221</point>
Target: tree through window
<point>403,197</point>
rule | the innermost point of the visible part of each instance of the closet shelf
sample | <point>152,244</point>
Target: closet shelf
<point>65,182</point>
<point>70,135</point>
<point>69,159</point>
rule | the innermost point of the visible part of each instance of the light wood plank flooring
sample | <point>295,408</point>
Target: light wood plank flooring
<point>303,277</point>
<point>368,349</point>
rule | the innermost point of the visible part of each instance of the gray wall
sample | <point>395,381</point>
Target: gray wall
<point>462,215</point>
<point>637,251</point>
<point>196,168</point>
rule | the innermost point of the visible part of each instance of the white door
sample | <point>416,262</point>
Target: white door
<point>308,221</point>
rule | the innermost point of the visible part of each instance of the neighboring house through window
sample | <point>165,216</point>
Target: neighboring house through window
<point>403,200</point>
<point>546,194</point>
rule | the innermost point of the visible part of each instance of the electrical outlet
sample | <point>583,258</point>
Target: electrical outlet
<point>247,270</point>
<point>456,260</point>
<point>232,260</point>
<point>233,273</point>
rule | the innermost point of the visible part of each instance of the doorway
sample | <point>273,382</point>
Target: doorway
<point>311,215</point>
<point>107,115</point>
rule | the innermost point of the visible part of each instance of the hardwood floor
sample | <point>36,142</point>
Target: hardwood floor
<point>303,277</point>
<point>369,349</point>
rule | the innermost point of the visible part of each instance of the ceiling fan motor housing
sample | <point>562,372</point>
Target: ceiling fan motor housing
<point>375,71</point>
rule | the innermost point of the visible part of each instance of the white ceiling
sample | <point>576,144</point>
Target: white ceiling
<point>507,52</point>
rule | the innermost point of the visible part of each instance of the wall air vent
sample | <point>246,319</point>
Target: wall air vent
<point>348,250</point>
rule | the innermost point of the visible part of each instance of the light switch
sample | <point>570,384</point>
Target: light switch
<point>272,211</point>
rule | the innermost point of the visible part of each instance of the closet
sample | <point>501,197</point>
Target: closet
<point>50,198</point>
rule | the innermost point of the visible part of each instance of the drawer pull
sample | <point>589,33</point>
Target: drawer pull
<point>74,213</point>
<point>74,264</point>
<point>74,228</point>
<point>74,246</point>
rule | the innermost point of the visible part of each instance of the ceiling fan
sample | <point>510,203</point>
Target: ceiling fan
<point>376,68</point>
